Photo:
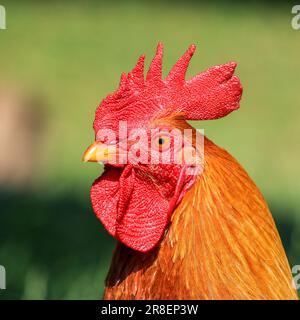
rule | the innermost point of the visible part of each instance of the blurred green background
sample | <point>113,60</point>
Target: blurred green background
<point>69,56</point>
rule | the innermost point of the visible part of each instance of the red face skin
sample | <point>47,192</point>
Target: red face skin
<point>135,201</point>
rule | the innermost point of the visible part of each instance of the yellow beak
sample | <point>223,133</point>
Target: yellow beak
<point>98,152</point>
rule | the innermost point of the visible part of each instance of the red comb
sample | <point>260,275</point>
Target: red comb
<point>209,95</point>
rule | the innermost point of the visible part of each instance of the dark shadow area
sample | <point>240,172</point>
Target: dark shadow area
<point>59,237</point>
<point>285,225</point>
<point>127,261</point>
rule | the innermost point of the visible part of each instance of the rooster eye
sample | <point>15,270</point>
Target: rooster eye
<point>161,141</point>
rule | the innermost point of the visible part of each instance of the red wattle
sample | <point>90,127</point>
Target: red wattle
<point>144,215</point>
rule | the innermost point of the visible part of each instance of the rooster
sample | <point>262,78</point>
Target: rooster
<point>197,228</point>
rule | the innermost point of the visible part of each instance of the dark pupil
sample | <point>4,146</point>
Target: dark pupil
<point>161,141</point>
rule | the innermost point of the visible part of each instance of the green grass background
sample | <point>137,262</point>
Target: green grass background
<point>71,54</point>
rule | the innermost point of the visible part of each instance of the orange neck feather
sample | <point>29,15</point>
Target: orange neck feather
<point>225,238</point>
<point>222,244</point>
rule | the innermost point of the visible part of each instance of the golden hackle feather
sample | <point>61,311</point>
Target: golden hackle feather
<point>222,243</point>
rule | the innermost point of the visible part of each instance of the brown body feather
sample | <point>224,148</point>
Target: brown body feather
<point>222,243</point>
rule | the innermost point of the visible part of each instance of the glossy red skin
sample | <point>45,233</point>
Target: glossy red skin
<point>135,202</point>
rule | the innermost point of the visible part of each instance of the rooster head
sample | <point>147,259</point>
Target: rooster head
<point>151,155</point>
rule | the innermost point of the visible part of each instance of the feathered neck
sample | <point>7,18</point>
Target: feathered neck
<point>222,243</point>
<point>223,237</point>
